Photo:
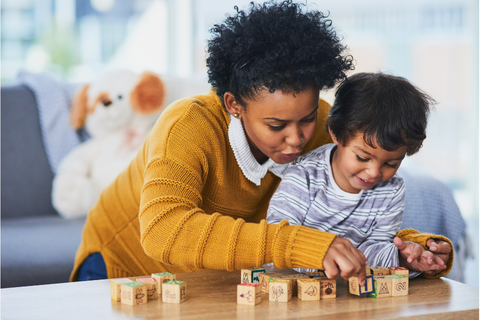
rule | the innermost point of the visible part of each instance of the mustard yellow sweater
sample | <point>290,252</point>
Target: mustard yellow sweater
<point>183,204</point>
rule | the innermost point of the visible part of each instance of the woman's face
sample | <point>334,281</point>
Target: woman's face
<point>278,125</point>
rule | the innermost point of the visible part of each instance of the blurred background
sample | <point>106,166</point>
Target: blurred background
<point>433,43</point>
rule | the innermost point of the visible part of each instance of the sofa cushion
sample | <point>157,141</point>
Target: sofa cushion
<point>26,174</point>
<point>38,250</point>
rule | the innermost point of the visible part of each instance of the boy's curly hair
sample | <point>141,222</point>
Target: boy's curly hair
<point>389,111</point>
<point>276,46</point>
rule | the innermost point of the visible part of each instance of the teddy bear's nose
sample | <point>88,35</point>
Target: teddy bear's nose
<point>106,102</point>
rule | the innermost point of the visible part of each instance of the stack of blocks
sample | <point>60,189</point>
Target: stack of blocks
<point>281,287</point>
<point>143,289</point>
<point>382,282</point>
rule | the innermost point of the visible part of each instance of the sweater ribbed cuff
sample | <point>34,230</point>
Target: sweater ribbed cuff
<point>421,239</point>
<point>300,247</point>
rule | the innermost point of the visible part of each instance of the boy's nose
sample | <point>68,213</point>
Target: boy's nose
<point>374,172</point>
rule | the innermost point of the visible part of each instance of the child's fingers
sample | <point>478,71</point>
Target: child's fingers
<point>330,268</point>
<point>416,253</point>
<point>399,243</point>
<point>439,261</point>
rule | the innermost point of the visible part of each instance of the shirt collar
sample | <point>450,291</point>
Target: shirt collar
<point>251,169</point>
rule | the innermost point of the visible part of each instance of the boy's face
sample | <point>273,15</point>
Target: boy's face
<point>357,166</point>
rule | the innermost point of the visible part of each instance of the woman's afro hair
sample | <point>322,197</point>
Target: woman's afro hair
<point>276,46</point>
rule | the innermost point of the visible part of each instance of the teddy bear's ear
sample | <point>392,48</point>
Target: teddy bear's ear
<point>148,96</point>
<point>78,112</point>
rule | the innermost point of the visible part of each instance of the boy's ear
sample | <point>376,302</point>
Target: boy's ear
<point>232,106</point>
<point>334,139</point>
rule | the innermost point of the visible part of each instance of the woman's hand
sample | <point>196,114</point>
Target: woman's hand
<point>414,257</point>
<point>344,259</point>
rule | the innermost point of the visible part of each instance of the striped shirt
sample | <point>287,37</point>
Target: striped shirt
<point>308,195</point>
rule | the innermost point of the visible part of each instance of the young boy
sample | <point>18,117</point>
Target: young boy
<point>349,187</point>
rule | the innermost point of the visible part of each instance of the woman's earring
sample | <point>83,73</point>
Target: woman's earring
<point>235,115</point>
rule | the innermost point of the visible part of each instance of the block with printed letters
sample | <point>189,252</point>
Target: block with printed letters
<point>265,279</point>
<point>399,270</point>
<point>399,285</point>
<point>249,293</point>
<point>161,278</point>
<point>251,275</point>
<point>116,288</point>
<point>383,287</point>
<point>174,291</point>
<point>152,287</point>
<point>379,271</point>
<point>134,293</point>
<point>357,289</point>
<point>280,290</point>
<point>308,289</point>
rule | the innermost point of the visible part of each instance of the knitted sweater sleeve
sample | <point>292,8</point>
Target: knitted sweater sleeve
<point>175,230</point>
<point>413,235</point>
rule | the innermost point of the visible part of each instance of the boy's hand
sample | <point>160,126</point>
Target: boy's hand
<point>344,259</point>
<point>414,257</point>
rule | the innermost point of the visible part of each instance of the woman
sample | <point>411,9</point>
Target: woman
<point>196,195</point>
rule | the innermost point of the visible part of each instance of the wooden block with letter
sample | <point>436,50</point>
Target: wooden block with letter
<point>399,285</point>
<point>383,287</point>
<point>251,275</point>
<point>134,293</point>
<point>161,278</point>
<point>152,287</point>
<point>280,290</point>
<point>294,277</point>
<point>308,289</point>
<point>378,271</point>
<point>249,293</point>
<point>174,291</point>
<point>357,289</point>
<point>265,279</point>
<point>399,270</point>
<point>116,288</point>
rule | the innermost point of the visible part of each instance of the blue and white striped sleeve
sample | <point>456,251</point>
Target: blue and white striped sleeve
<point>291,200</point>
<point>379,248</point>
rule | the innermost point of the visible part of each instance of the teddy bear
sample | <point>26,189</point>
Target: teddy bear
<point>118,110</point>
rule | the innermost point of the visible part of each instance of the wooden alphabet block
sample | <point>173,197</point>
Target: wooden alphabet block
<point>328,288</point>
<point>308,289</point>
<point>357,289</point>
<point>383,287</point>
<point>174,291</point>
<point>280,290</point>
<point>399,285</point>
<point>293,278</point>
<point>265,279</point>
<point>116,288</point>
<point>134,293</point>
<point>161,278</point>
<point>399,270</point>
<point>249,293</point>
<point>152,287</point>
<point>251,275</point>
<point>319,273</point>
<point>379,271</point>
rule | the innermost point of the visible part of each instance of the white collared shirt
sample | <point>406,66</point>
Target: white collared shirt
<point>250,167</point>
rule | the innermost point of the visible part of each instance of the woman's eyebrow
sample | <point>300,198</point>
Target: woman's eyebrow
<point>280,120</point>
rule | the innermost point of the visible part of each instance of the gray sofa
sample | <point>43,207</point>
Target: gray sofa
<point>37,245</point>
